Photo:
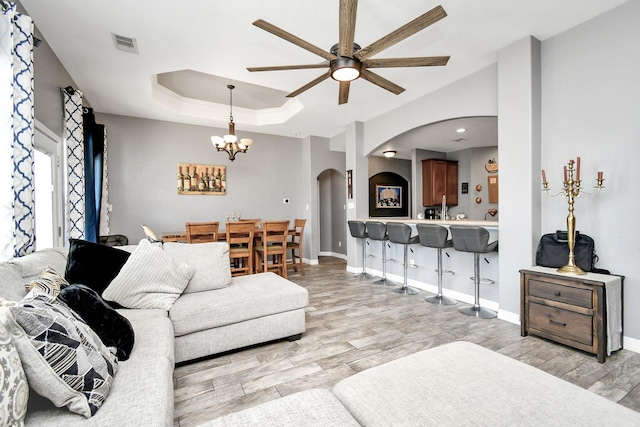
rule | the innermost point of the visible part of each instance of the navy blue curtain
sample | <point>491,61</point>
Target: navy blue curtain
<point>93,166</point>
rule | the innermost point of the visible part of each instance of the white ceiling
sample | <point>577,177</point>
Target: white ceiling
<point>213,42</point>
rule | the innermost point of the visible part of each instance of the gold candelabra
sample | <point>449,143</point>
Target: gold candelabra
<point>571,190</point>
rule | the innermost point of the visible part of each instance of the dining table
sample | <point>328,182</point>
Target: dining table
<point>181,236</point>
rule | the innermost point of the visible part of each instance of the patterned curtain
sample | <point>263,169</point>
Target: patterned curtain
<point>104,205</point>
<point>74,140</point>
<point>17,219</point>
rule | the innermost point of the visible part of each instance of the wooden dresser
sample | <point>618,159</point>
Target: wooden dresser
<point>571,309</point>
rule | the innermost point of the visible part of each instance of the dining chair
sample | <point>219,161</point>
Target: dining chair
<point>240,239</point>
<point>202,232</point>
<point>295,245</point>
<point>257,221</point>
<point>272,243</point>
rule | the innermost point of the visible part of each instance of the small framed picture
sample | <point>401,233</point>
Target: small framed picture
<point>388,196</point>
<point>465,188</point>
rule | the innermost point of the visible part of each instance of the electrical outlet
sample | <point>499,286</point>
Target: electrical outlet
<point>339,244</point>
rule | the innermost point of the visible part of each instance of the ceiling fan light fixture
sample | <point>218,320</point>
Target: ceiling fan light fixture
<point>389,153</point>
<point>345,69</point>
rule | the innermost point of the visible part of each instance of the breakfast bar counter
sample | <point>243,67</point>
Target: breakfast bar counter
<point>423,263</point>
<point>471,223</point>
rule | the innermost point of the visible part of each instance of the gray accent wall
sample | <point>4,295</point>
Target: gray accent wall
<point>143,157</point>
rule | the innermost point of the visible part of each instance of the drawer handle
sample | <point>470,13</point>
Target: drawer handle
<point>557,293</point>
<point>557,323</point>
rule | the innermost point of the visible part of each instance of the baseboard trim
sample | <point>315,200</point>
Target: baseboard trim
<point>335,255</point>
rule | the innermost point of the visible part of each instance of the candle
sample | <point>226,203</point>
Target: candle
<point>578,170</point>
<point>565,174</point>
<point>544,177</point>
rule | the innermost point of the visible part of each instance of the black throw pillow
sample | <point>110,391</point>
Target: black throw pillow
<point>114,329</point>
<point>93,265</point>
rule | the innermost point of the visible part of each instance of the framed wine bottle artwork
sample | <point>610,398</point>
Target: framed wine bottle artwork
<point>201,179</point>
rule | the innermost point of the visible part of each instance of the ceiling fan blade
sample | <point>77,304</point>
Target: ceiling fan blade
<point>343,96</point>
<point>348,9</point>
<point>427,61</point>
<point>410,28</point>
<point>293,39</point>
<point>309,85</point>
<point>288,67</point>
<point>381,81</point>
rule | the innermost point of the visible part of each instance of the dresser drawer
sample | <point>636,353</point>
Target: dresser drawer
<point>566,294</point>
<point>562,323</point>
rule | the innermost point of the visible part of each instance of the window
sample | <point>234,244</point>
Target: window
<point>47,189</point>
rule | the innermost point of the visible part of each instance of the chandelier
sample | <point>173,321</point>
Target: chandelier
<point>229,143</point>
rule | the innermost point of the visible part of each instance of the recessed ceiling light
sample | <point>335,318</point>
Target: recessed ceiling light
<point>389,153</point>
<point>461,130</point>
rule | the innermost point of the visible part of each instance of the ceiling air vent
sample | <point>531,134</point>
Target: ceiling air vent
<point>126,44</point>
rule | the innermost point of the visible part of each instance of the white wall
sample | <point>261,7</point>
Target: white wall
<point>591,109</point>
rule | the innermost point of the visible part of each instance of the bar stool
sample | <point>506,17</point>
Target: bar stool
<point>475,240</point>
<point>401,234</point>
<point>378,231</point>
<point>358,229</point>
<point>435,236</point>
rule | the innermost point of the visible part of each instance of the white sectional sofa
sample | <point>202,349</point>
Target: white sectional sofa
<point>456,384</point>
<point>251,310</point>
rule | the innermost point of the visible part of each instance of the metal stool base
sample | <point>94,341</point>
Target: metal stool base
<point>441,299</point>
<point>478,311</point>
<point>407,290</point>
<point>364,275</point>
<point>385,282</point>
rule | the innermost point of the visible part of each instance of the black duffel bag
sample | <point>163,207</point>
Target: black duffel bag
<point>553,251</point>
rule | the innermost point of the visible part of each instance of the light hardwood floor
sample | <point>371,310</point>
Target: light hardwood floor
<point>353,325</point>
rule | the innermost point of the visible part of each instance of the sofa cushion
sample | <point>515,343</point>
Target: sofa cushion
<point>141,392</point>
<point>151,278</point>
<point>49,282</point>
<point>461,382</point>
<point>249,297</point>
<point>14,388</point>
<point>64,360</point>
<point>113,329</point>
<point>92,264</point>
<point>210,261</point>
<point>12,285</point>
<point>315,407</point>
<point>30,266</point>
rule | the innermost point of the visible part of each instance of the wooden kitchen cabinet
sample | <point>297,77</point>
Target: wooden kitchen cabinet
<point>571,310</point>
<point>439,177</point>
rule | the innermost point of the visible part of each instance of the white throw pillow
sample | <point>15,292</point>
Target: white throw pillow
<point>210,261</point>
<point>151,278</point>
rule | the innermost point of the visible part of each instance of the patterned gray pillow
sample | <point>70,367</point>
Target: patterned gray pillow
<point>64,360</point>
<point>13,383</point>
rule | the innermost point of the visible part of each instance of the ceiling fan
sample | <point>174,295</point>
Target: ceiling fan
<point>347,61</point>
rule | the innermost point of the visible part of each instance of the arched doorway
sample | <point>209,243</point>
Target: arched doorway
<point>332,229</point>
